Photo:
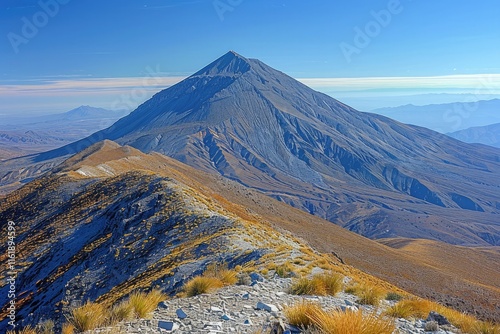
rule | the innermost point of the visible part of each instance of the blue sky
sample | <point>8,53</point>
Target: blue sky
<point>58,54</point>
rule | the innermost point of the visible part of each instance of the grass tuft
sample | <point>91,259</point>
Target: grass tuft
<point>482,327</point>
<point>213,278</point>
<point>300,314</point>
<point>228,277</point>
<point>87,317</point>
<point>120,312</point>
<point>144,304</point>
<point>284,270</point>
<point>338,322</point>
<point>420,308</point>
<point>320,284</point>
<point>46,327</point>
<point>369,294</point>
<point>411,308</point>
<point>393,296</point>
<point>26,330</point>
<point>202,284</point>
<point>400,310</point>
<point>68,328</point>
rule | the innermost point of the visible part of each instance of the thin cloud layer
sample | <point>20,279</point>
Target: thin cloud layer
<point>86,86</point>
<point>107,91</point>
<point>469,81</point>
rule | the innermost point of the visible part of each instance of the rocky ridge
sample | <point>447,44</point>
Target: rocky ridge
<point>254,308</point>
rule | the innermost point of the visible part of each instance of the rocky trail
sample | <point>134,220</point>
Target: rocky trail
<point>254,308</point>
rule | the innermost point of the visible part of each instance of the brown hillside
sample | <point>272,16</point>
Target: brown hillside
<point>428,276</point>
<point>434,274</point>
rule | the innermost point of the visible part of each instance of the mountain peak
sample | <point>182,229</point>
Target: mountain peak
<point>229,64</point>
<point>98,153</point>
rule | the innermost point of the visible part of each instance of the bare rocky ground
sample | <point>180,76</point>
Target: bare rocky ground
<point>254,308</point>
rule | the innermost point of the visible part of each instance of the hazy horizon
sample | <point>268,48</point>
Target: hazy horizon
<point>369,54</point>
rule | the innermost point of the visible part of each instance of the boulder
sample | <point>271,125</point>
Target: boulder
<point>440,319</point>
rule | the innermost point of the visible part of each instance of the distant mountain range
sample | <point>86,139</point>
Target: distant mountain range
<point>448,117</point>
<point>28,135</point>
<point>487,135</point>
<point>250,123</point>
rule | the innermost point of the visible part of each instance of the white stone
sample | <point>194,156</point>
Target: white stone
<point>266,307</point>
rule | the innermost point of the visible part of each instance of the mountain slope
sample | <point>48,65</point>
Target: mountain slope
<point>487,135</point>
<point>248,122</point>
<point>112,219</point>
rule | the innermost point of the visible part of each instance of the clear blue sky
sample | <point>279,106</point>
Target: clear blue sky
<point>110,39</point>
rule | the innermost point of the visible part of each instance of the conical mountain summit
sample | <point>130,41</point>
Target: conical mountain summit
<point>251,123</point>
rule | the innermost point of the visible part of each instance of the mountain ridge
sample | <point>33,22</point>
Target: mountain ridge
<point>446,117</point>
<point>121,204</point>
<point>486,135</point>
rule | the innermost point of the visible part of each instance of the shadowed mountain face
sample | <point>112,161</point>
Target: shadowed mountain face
<point>251,123</point>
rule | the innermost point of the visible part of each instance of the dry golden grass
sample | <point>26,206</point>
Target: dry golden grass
<point>304,286</point>
<point>338,322</point>
<point>320,284</point>
<point>284,270</point>
<point>300,314</point>
<point>120,312</point>
<point>333,282</point>
<point>202,284</point>
<point>46,327</point>
<point>87,317</point>
<point>26,330</point>
<point>368,293</point>
<point>420,308</point>
<point>411,308</point>
<point>485,328</point>
<point>68,328</point>
<point>143,304</point>
<point>214,277</point>
<point>228,277</point>
<point>465,322</point>
<point>400,310</point>
<point>222,273</point>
